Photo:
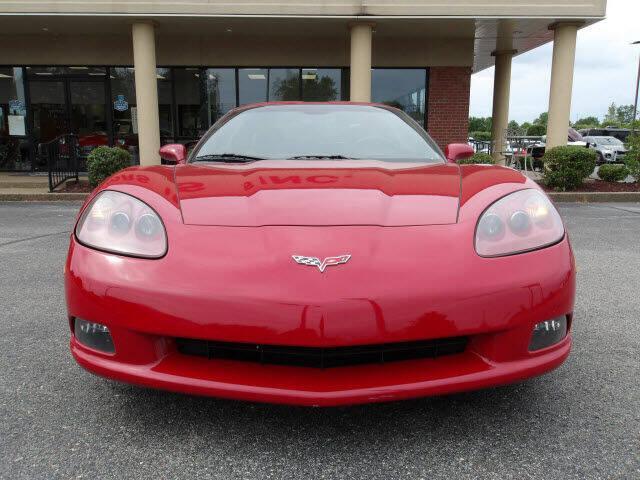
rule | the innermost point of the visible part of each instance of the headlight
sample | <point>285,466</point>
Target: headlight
<point>522,221</point>
<point>119,223</point>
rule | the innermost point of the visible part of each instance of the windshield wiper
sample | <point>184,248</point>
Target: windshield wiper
<point>321,157</point>
<point>227,158</point>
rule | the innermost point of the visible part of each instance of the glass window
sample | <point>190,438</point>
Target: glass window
<point>220,92</point>
<point>321,84</point>
<point>165,104</point>
<point>351,131</point>
<point>284,84</point>
<point>252,85</point>
<point>403,88</point>
<point>49,107</point>
<point>187,86</point>
<point>88,115</point>
<point>125,113</point>
<point>14,152</point>
<point>12,103</point>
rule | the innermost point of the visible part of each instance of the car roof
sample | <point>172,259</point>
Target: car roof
<point>249,106</point>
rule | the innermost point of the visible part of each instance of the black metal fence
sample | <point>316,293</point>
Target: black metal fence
<point>62,157</point>
<point>484,146</point>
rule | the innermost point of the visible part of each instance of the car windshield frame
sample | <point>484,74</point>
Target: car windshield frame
<point>435,154</point>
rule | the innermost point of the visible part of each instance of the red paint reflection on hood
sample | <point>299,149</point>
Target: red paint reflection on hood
<point>310,193</point>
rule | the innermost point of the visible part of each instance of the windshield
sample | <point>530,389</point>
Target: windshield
<point>607,140</point>
<point>319,132</point>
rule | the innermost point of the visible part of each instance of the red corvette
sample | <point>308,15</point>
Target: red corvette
<point>319,254</point>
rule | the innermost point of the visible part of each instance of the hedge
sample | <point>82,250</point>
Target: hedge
<point>566,167</point>
<point>104,162</point>
<point>613,173</point>
<point>478,158</point>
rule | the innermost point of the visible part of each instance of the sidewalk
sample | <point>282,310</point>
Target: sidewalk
<point>23,182</point>
<point>15,186</point>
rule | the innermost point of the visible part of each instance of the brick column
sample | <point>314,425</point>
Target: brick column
<point>448,104</point>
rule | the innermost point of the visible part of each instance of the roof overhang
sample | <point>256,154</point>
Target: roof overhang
<point>482,25</point>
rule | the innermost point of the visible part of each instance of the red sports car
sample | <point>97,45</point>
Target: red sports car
<point>319,254</point>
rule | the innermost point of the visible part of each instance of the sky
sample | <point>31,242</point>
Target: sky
<point>605,70</point>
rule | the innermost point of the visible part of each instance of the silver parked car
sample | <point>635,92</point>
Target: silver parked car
<point>610,149</point>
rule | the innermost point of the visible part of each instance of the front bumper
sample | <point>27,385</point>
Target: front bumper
<point>494,302</point>
<point>328,387</point>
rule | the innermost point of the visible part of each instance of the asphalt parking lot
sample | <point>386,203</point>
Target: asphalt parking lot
<point>580,421</point>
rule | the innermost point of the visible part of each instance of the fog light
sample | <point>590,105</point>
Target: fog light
<point>548,333</point>
<point>93,335</point>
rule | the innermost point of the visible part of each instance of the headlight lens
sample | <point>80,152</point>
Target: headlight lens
<point>522,221</point>
<point>119,223</point>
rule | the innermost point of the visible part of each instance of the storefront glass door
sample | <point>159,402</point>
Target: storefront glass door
<point>88,111</point>
<point>63,106</point>
<point>49,110</point>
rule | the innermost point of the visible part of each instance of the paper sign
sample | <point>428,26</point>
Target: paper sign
<point>16,126</point>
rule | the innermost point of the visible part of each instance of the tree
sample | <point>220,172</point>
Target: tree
<point>513,126</point>
<point>537,130</point>
<point>611,118</point>
<point>319,90</point>
<point>586,122</point>
<point>480,124</point>
<point>542,119</point>
<point>624,114</point>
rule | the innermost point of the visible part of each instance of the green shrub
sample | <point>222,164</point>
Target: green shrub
<point>633,165</point>
<point>104,162</point>
<point>566,167</point>
<point>478,157</point>
<point>632,158</point>
<point>481,136</point>
<point>613,173</point>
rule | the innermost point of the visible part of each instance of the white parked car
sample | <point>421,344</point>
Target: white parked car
<point>610,149</point>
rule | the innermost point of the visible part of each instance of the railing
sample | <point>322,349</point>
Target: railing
<point>484,146</point>
<point>61,154</point>
<point>524,152</point>
<point>521,152</point>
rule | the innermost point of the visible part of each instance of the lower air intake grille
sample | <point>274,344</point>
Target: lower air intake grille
<point>322,357</point>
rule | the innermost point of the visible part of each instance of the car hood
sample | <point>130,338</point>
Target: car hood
<point>318,193</point>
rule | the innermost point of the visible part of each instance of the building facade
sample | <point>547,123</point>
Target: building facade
<point>139,74</point>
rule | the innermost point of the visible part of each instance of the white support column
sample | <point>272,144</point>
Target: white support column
<point>360,68</point>
<point>501,95</point>
<point>144,62</point>
<point>564,54</point>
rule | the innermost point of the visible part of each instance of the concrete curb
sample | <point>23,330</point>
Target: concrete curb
<point>42,197</point>
<point>594,197</point>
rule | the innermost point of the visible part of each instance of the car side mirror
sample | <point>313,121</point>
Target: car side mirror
<point>458,151</point>
<point>174,152</point>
